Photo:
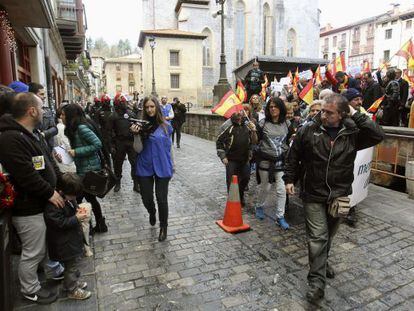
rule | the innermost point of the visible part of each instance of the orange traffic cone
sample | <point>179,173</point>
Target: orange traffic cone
<point>233,221</point>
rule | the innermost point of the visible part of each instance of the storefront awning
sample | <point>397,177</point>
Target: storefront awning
<point>279,66</point>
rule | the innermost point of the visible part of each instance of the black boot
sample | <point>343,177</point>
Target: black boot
<point>100,226</point>
<point>117,186</point>
<point>163,234</point>
<point>136,186</point>
<point>315,294</point>
<point>152,219</point>
<point>351,219</point>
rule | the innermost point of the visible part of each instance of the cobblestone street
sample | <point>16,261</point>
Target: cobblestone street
<point>200,267</point>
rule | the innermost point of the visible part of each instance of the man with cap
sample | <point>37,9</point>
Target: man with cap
<point>123,139</point>
<point>355,99</point>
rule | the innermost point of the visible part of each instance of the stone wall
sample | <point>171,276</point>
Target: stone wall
<point>203,125</point>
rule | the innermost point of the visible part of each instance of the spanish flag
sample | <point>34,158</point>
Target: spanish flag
<point>228,105</point>
<point>339,63</point>
<point>296,81</point>
<point>241,92</point>
<point>407,51</point>
<point>374,107</point>
<point>264,86</point>
<point>317,76</point>
<point>408,79</point>
<point>366,66</point>
<point>307,93</point>
<point>290,76</point>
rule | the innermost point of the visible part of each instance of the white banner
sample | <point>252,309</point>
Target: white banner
<point>362,172</point>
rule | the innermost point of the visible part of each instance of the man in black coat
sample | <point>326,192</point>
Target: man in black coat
<point>123,140</point>
<point>327,148</point>
<point>404,89</point>
<point>254,80</point>
<point>35,175</point>
<point>371,91</point>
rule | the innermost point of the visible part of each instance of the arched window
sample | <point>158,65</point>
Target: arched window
<point>207,47</point>
<point>267,30</point>
<point>240,32</point>
<point>291,43</point>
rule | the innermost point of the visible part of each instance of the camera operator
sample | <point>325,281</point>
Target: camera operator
<point>154,163</point>
<point>123,139</point>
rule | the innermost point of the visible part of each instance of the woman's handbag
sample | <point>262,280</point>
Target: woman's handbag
<point>100,182</point>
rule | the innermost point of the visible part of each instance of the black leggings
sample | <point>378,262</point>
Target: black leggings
<point>96,207</point>
<point>161,192</point>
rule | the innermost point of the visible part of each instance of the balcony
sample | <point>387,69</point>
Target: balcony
<point>70,22</point>
<point>355,50</point>
<point>31,13</point>
<point>342,44</point>
<point>356,38</point>
<point>370,34</point>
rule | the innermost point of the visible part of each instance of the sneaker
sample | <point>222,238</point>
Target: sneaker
<point>259,212</point>
<point>59,277</point>
<point>42,296</point>
<point>282,223</point>
<point>79,294</point>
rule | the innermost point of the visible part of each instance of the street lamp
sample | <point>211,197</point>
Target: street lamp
<point>221,88</point>
<point>152,44</point>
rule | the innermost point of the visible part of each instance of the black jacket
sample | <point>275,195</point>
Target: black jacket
<point>64,233</point>
<point>329,171</point>
<point>120,124</point>
<point>254,80</point>
<point>18,152</point>
<point>234,142</point>
<point>179,114</point>
<point>404,88</point>
<point>370,94</point>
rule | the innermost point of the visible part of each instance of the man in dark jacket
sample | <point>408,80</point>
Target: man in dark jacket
<point>234,147</point>
<point>371,91</point>
<point>104,117</point>
<point>179,119</point>
<point>392,102</point>
<point>48,126</point>
<point>123,140</point>
<point>327,148</point>
<point>34,174</point>
<point>404,89</point>
<point>254,80</point>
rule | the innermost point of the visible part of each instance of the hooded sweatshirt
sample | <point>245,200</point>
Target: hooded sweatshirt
<point>33,172</point>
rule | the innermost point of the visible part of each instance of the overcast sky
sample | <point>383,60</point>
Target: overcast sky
<point>121,19</point>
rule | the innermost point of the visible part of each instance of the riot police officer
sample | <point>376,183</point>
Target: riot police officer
<point>104,120</point>
<point>123,139</point>
<point>93,110</point>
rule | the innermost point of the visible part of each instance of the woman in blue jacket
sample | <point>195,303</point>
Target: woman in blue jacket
<point>85,146</point>
<point>154,162</point>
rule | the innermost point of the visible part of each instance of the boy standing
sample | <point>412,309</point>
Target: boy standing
<point>65,237</point>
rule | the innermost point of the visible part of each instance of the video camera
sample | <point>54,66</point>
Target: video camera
<point>144,124</point>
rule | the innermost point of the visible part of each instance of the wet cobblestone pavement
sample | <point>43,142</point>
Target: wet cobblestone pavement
<point>200,267</point>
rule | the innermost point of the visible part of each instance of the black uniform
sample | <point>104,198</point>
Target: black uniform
<point>253,81</point>
<point>104,117</point>
<point>123,140</point>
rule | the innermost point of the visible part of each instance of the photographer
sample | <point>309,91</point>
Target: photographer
<point>123,139</point>
<point>152,142</point>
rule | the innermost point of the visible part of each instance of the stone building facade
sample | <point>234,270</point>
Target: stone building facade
<point>252,28</point>
<point>123,75</point>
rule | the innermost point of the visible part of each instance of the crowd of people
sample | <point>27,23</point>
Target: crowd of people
<point>290,143</point>
<point>47,160</point>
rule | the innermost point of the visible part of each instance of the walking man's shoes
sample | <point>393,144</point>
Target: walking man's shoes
<point>314,294</point>
<point>163,234</point>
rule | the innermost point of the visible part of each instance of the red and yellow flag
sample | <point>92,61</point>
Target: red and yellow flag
<point>307,93</point>
<point>296,81</point>
<point>264,86</point>
<point>366,66</point>
<point>290,76</point>
<point>339,63</point>
<point>374,107</point>
<point>407,78</point>
<point>317,76</point>
<point>241,92</point>
<point>228,105</point>
<point>407,51</point>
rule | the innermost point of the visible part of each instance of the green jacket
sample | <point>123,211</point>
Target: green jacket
<point>86,145</point>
